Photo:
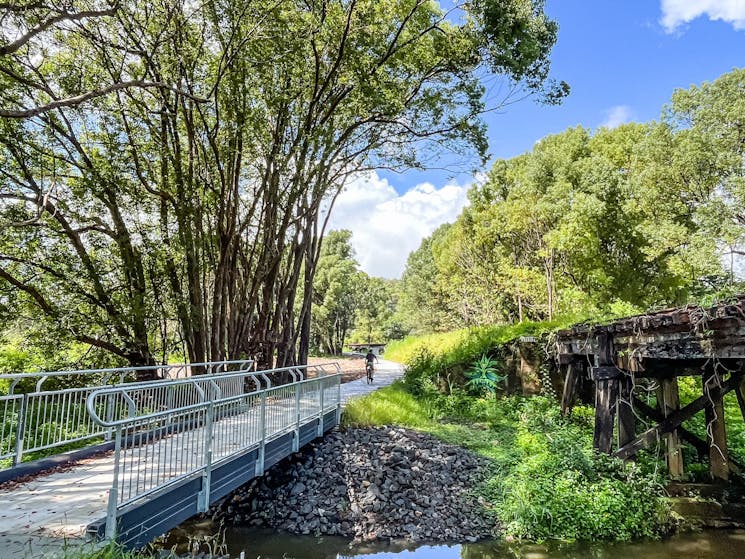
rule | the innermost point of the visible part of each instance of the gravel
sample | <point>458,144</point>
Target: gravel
<point>369,484</point>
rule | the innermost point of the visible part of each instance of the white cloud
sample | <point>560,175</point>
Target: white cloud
<point>616,116</point>
<point>677,12</point>
<point>387,226</point>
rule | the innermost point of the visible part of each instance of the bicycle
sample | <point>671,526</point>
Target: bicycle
<point>369,370</point>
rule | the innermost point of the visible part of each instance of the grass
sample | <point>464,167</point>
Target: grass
<point>467,341</point>
<point>110,550</point>
<point>545,481</point>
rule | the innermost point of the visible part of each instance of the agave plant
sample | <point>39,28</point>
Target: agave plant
<point>484,375</point>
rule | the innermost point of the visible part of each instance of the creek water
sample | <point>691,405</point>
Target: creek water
<point>267,544</point>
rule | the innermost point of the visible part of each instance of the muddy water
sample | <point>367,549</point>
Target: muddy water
<point>264,544</point>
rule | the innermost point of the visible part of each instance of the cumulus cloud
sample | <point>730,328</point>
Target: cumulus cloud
<point>678,12</point>
<point>616,116</point>
<point>387,226</point>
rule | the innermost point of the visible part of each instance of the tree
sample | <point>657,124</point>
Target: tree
<point>706,126</point>
<point>144,219</point>
<point>375,317</point>
<point>335,293</point>
<point>423,298</point>
<point>622,219</point>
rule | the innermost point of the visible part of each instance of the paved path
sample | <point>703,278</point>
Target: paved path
<point>39,517</point>
<point>385,373</point>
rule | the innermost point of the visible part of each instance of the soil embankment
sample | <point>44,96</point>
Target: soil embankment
<point>367,484</point>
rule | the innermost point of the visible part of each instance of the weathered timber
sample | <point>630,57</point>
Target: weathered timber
<point>699,444</point>
<point>715,429</point>
<point>673,421</point>
<point>571,383</point>
<point>662,346</point>
<point>626,419</point>
<point>604,372</point>
<point>680,334</point>
<point>606,397</point>
<point>668,398</point>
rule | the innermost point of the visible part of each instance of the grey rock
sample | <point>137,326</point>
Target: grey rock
<point>384,483</point>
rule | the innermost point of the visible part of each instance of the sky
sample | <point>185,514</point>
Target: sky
<point>622,60</point>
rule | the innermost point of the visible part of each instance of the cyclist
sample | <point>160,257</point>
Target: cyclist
<point>369,365</point>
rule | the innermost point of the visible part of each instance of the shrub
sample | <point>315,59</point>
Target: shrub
<point>560,488</point>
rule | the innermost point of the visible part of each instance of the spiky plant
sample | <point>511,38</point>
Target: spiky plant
<point>484,375</point>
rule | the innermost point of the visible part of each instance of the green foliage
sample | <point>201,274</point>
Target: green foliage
<point>111,550</point>
<point>484,375</point>
<point>559,487</point>
<point>375,319</point>
<point>336,290</point>
<point>439,362</point>
<point>642,215</point>
<point>200,231</point>
<point>388,406</point>
<point>546,481</point>
<point>423,301</point>
<point>690,389</point>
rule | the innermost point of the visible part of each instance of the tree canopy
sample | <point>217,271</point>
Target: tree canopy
<point>163,166</point>
<point>616,220</point>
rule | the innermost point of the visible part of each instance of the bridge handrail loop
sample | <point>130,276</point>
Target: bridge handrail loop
<point>144,393</point>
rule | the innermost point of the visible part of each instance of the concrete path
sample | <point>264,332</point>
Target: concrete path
<point>385,373</point>
<point>41,517</point>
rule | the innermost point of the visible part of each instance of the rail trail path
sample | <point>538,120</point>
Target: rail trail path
<point>42,516</point>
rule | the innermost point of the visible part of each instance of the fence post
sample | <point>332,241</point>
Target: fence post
<point>114,491</point>
<point>296,438</point>
<point>20,431</point>
<point>109,416</point>
<point>321,388</point>
<point>262,432</point>
<point>203,502</point>
<point>338,399</point>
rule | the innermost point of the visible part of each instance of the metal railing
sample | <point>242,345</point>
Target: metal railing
<point>35,416</point>
<point>212,419</point>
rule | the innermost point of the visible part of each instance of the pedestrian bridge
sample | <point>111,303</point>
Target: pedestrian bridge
<point>166,449</point>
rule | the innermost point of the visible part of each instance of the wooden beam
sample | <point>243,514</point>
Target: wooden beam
<point>668,398</point>
<point>606,396</point>
<point>571,385</point>
<point>626,419</point>
<point>673,421</point>
<point>701,446</point>
<point>716,432</point>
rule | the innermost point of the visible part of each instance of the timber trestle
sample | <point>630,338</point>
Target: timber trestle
<point>648,354</point>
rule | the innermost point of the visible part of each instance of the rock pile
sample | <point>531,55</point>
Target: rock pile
<point>369,484</point>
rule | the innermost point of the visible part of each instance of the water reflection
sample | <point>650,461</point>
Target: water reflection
<point>264,544</point>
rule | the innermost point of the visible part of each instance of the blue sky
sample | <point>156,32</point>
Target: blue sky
<point>622,59</point>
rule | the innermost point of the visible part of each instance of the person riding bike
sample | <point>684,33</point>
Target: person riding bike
<point>369,369</point>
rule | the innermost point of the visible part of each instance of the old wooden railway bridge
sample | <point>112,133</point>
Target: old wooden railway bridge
<point>648,353</point>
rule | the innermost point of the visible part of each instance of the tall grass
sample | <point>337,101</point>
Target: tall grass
<point>110,550</point>
<point>468,343</point>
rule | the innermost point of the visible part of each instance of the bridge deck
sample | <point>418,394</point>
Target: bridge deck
<point>38,516</point>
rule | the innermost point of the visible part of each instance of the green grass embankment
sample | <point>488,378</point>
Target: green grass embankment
<point>546,480</point>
